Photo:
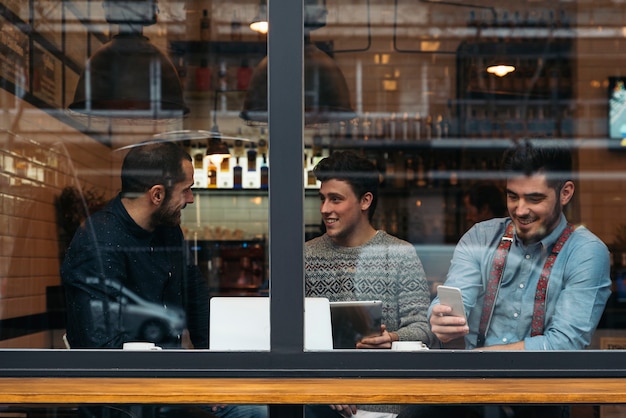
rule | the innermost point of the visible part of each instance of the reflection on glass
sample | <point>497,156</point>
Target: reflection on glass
<point>426,112</point>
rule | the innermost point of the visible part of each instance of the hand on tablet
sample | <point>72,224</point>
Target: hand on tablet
<point>383,340</point>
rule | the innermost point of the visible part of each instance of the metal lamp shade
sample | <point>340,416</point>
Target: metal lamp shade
<point>326,94</point>
<point>217,147</point>
<point>129,77</point>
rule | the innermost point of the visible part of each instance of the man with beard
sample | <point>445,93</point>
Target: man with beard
<point>530,281</point>
<point>135,244</point>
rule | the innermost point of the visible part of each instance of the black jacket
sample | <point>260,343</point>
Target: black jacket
<point>111,262</point>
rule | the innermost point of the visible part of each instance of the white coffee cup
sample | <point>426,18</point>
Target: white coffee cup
<point>140,346</point>
<point>408,346</point>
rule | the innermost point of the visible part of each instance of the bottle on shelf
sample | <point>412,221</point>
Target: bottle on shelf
<point>238,151</point>
<point>235,28</point>
<point>198,150</point>
<point>244,74</point>
<point>311,180</point>
<point>205,26</point>
<point>237,175</point>
<point>222,76</point>
<point>225,175</point>
<point>203,76</point>
<point>262,151</point>
<point>405,127</point>
<point>252,179</point>
<point>392,128</point>
<point>417,127</point>
<point>265,171</point>
<point>428,128</point>
<point>211,174</point>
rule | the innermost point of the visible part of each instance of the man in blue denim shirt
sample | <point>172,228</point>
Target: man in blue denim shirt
<point>538,187</point>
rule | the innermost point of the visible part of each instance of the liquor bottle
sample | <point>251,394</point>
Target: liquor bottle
<point>252,153</point>
<point>203,76</point>
<point>224,175</point>
<point>211,174</point>
<point>238,151</point>
<point>244,73</point>
<point>237,175</point>
<point>417,127</point>
<point>264,173</point>
<point>252,179</point>
<point>311,180</point>
<point>428,128</point>
<point>392,128</point>
<point>205,26</point>
<point>235,28</point>
<point>198,149</point>
<point>405,127</point>
<point>222,84</point>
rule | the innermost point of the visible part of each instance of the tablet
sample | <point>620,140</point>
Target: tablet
<point>354,320</point>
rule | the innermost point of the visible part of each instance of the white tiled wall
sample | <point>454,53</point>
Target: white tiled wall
<point>236,215</point>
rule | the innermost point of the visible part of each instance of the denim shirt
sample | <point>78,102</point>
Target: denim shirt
<point>578,288</point>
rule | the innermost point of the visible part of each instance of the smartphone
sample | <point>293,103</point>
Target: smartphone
<point>451,296</point>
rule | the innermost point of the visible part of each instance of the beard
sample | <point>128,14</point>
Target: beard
<point>547,226</point>
<point>166,215</point>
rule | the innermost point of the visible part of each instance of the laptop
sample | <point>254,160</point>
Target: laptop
<point>243,324</point>
<point>354,320</point>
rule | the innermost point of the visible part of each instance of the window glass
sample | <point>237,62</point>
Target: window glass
<point>408,87</point>
<point>437,93</point>
<point>89,82</point>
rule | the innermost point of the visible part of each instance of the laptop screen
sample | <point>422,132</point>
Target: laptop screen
<point>243,324</point>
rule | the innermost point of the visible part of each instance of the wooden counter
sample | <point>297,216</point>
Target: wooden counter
<point>309,391</point>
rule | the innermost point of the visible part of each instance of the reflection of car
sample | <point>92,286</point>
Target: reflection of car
<point>139,319</point>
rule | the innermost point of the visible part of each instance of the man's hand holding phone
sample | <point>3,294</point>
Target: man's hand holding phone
<point>447,320</point>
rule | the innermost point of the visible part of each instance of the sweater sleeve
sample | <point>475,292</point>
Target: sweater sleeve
<point>413,298</point>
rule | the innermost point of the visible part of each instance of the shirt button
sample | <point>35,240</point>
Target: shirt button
<point>521,286</point>
<point>504,340</point>
<point>515,315</point>
<point>527,256</point>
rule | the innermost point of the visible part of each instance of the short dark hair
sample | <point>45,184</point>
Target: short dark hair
<point>360,173</point>
<point>490,195</point>
<point>151,163</point>
<point>545,157</point>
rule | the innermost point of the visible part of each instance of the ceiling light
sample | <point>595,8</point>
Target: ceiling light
<point>128,76</point>
<point>326,94</point>
<point>259,23</point>
<point>500,69</point>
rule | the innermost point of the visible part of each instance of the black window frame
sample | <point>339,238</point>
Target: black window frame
<point>287,357</point>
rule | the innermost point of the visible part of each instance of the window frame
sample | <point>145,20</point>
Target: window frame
<point>287,357</point>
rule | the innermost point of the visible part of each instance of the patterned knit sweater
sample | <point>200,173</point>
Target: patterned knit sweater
<point>385,268</point>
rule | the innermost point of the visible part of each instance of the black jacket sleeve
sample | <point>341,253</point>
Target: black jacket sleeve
<point>197,308</point>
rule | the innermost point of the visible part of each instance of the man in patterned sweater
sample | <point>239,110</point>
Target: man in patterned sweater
<point>354,261</point>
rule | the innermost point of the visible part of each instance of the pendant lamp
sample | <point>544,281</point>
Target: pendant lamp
<point>326,94</point>
<point>128,77</point>
<point>259,23</point>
